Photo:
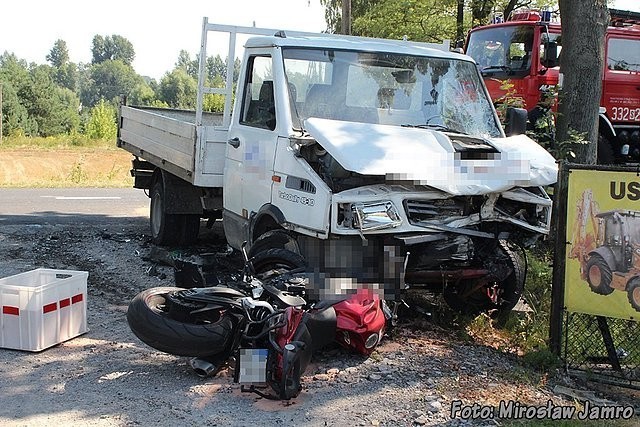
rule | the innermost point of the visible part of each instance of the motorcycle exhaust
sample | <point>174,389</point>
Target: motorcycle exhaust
<point>203,368</point>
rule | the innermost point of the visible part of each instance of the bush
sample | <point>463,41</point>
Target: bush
<point>102,122</point>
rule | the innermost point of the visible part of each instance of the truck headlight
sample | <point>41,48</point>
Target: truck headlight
<point>375,216</point>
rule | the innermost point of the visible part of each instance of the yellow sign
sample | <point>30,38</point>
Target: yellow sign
<point>602,270</point>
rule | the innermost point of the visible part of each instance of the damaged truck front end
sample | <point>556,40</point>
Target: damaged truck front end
<point>427,192</point>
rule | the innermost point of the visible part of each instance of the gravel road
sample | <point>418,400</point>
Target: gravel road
<point>107,377</point>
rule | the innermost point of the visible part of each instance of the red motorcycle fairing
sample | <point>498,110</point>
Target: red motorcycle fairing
<point>360,321</point>
<point>303,333</point>
<point>293,355</point>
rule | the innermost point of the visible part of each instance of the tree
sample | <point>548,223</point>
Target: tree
<point>178,89</point>
<point>54,109</point>
<point>434,16</point>
<point>184,62</point>
<point>67,76</point>
<point>333,11</point>
<point>66,72</point>
<point>14,75</point>
<point>420,20</point>
<point>59,54</point>
<point>108,80</point>
<point>141,94</point>
<point>113,48</point>
<point>216,67</point>
<point>584,23</point>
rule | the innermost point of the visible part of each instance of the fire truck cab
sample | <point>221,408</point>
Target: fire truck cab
<point>525,50</point>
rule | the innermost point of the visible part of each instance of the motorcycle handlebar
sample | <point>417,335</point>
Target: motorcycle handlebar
<point>250,303</point>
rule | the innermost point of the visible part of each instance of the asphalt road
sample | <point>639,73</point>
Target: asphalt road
<point>71,205</point>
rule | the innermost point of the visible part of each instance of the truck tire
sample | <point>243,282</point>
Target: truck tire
<point>276,261</point>
<point>274,239</point>
<point>599,275</point>
<point>190,228</point>
<point>151,321</point>
<point>605,151</point>
<point>170,229</point>
<point>470,296</point>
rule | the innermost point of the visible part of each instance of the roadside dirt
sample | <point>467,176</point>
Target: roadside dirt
<point>107,377</point>
<point>64,167</point>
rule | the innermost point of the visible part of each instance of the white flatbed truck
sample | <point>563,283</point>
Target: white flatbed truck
<point>381,162</point>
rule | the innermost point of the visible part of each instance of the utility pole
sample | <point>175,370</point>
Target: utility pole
<point>346,17</point>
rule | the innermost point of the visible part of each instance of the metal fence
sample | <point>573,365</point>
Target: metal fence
<point>602,348</point>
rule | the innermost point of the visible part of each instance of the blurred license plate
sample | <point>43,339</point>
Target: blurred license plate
<point>253,366</point>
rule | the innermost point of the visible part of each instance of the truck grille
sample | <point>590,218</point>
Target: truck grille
<point>429,210</point>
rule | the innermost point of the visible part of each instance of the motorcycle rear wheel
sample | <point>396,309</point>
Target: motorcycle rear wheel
<point>150,320</point>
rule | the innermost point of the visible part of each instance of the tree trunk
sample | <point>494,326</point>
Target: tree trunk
<point>584,23</point>
<point>460,21</point>
<point>509,8</point>
<point>346,17</point>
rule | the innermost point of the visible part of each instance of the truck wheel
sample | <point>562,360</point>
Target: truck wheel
<point>276,261</point>
<point>605,151</point>
<point>170,229</point>
<point>164,226</point>
<point>274,239</point>
<point>599,275</point>
<point>472,296</point>
<point>633,293</point>
<point>190,228</point>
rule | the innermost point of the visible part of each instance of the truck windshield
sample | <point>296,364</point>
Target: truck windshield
<point>503,52</point>
<point>389,89</point>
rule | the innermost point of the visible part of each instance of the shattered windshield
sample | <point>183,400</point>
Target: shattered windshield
<point>390,89</point>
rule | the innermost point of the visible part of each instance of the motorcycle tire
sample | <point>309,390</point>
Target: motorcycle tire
<point>151,322</point>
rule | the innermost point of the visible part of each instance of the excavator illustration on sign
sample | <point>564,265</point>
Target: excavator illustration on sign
<point>607,245</point>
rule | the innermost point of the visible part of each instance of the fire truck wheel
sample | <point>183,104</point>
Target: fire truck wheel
<point>605,151</point>
<point>599,275</point>
<point>633,292</point>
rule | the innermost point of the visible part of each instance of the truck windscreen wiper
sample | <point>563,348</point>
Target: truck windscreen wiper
<point>435,126</point>
<point>491,68</point>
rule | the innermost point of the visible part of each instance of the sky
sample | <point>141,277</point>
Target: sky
<point>158,30</point>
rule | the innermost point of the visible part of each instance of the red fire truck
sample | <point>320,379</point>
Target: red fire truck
<point>525,49</point>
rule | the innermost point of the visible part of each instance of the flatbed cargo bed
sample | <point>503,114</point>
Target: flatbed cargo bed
<point>169,139</point>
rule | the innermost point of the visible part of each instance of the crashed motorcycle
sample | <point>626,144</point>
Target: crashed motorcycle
<point>262,326</point>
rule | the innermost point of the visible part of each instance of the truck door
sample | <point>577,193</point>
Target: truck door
<point>252,139</point>
<point>621,86</point>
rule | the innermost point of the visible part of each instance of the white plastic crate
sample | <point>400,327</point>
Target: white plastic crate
<point>42,308</point>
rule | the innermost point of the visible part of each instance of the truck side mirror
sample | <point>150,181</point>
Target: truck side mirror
<point>550,57</point>
<point>516,123</point>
